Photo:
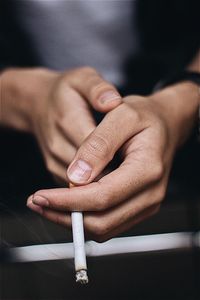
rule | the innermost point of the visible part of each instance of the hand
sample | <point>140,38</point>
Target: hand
<point>58,112</point>
<point>148,130</point>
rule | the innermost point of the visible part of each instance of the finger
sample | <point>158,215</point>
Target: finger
<point>113,221</point>
<point>56,159</point>
<point>58,170</point>
<point>56,146</point>
<point>103,232</point>
<point>141,169</point>
<point>97,230</point>
<point>103,96</point>
<point>102,226</point>
<point>109,191</point>
<point>60,149</point>
<point>101,145</point>
<point>63,219</point>
<point>58,153</point>
<point>76,121</point>
<point>97,196</point>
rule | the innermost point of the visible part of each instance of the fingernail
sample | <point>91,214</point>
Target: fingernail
<point>36,208</point>
<point>40,200</point>
<point>109,97</point>
<point>79,172</point>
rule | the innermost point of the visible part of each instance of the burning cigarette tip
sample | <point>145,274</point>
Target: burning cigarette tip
<point>81,277</point>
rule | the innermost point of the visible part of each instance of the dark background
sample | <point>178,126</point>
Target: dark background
<point>170,34</point>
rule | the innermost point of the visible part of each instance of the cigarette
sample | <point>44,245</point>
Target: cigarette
<point>79,247</point>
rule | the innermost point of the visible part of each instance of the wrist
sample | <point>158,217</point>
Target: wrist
<point>21,91</point>
<point>178,104</point>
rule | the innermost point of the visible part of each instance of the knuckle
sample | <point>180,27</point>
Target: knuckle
<point>157,171</point>
<point>63,83</point>
<point>132,114</point>
<point>78,73</point>
<point>88,70</point>
<point>160,194</point>
<point>98,147</point>
<point>100,239</point>
<point>97,227</point>
<point>136,116</point>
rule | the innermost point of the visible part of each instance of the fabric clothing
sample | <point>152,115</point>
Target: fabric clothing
<point>165,36</point>
<point>69,34</point>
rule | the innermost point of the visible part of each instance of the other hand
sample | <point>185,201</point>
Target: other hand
<point>56,109</point>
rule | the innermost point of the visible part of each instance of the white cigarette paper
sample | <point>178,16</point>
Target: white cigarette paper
<point>79,241</point>
<point>79,247</point>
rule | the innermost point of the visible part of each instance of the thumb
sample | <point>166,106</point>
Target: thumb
<point>100,94</point>
<point>99,147</point>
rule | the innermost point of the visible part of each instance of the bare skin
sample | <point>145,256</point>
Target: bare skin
<point>148,131</point>
<point>56,108</point>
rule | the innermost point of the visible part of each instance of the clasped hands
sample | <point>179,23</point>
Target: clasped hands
<point>144,131</point>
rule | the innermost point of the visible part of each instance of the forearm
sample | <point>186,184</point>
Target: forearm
<point>179,104</point>
<point>20,90</point>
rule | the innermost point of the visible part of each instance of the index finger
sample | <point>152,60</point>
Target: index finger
<point>114,188</point>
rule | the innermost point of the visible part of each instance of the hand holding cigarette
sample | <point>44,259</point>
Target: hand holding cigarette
<point>147,131</point>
